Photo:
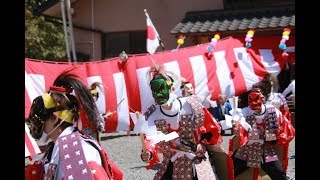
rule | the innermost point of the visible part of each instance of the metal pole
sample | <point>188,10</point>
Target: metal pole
<point>92,21</point>
<point>65,30</point>
<point>71,32</point>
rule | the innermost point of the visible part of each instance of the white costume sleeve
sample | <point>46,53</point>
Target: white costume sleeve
<point>290,88</point>
<point>91,153</point>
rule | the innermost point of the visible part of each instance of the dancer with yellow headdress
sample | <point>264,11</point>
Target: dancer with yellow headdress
<point>71,154</point>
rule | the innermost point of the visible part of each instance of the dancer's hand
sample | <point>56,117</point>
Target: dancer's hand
<point>145,156</point>
<point>200,151</point>
<point>109,114</point>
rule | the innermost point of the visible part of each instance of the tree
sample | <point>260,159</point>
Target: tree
<point>43,39</point>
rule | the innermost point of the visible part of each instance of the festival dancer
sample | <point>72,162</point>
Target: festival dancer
<point>95,94</point>
<point>269,86</point>
<point>70,154</point>
<point>269,128</point>
<point>104,116</point>
<point>187,89</point>
<point>217,155</point>
<point>184,157</point>
<point>291,89</point>
<point>84,124</point>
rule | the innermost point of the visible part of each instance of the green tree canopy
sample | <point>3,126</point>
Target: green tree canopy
<point>43,39</point>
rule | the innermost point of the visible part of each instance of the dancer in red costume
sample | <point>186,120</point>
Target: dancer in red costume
<point>269,86</point>
<point>71,154</point>
<point>269,128</point>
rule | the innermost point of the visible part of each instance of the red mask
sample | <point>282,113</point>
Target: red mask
<point>255,100</point>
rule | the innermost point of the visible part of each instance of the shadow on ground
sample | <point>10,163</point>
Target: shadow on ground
<point>155,167</point>
<point>115,136</point>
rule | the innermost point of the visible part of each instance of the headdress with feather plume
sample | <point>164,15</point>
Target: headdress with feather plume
<point>93,89</point>
<point>62,100</point>
<point>157,72</point>
<point>173,80</point>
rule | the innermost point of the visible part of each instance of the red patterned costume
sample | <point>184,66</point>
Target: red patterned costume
<point>184,156</point>
<point>188,122</point>
<point>280,102</point>
<point>269,128</point>
<point>269,86</point>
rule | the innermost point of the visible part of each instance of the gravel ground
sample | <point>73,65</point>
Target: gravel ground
<point>125,150</point>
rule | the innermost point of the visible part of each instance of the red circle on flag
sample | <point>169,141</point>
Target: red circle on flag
<point>150,33</point>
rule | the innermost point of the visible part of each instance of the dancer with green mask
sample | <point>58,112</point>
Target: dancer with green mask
<point>184,157</point>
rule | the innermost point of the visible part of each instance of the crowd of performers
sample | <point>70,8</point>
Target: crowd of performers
<point>68,116</point>
<point>263,125</point>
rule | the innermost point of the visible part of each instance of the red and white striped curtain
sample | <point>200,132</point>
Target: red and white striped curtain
<point>232,70</point>
<point>30,145</point>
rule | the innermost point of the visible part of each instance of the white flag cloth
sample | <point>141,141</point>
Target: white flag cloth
<point>158,136</point>
<point>152,35</point>
<point>30,145</point>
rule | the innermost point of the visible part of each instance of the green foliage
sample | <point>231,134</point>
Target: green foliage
<point>43,39</point>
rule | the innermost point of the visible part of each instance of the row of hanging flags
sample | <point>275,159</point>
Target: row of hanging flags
<point>227,67</point>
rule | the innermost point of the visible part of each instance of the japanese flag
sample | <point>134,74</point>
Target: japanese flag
<point>152,35</point>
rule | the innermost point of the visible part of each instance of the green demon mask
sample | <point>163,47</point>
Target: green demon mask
<point>160,87</point>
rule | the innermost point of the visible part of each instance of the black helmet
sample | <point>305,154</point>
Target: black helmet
<point>38,114</point>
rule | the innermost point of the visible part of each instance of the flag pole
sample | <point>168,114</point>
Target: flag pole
<point>161,44</point>
<point>74,54</point>
<point>65,30</point>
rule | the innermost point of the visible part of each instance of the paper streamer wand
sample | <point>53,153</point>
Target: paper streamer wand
<point>109,114</point>
<point>144,148</point>
<point>118,104</point>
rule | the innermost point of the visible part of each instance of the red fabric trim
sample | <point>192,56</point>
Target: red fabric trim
<point>60,89</point>
<point>289,133</point>
<point>230,168</point>
<point>107,167</point>
<point>37,168</point>
<point>111,169</point>
<point>255,173</point>
<point>29,144</point>
<point>230,161</point>
<point>116,171</point>
<point>285,154</point>
<point>243,135</point>
<point>210,125</point>
<point>155,158</point>
<point>230,152</point>
<point>99,173</point>
<point>287,114</point>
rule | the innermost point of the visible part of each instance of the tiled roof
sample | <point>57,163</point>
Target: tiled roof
<point>228,20</point>
<point>42,5</point>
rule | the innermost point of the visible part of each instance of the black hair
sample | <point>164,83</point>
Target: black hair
<point>83,96</point>
<point>184,83</point>
<point>66,100</point>
<point>243,100</point>
<point>272,80</point>
<point>264,86</point>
